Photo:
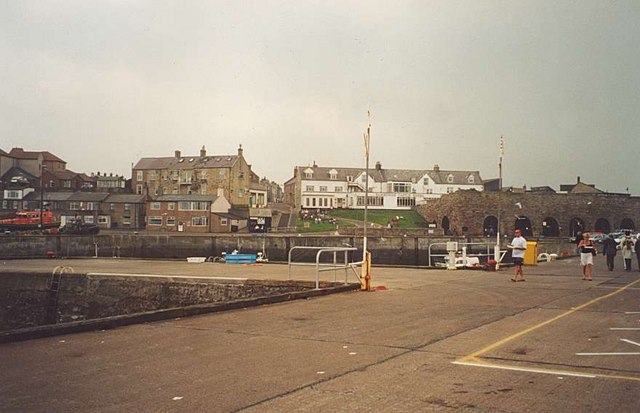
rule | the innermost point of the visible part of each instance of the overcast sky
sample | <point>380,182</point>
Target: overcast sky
<point>104,83</point>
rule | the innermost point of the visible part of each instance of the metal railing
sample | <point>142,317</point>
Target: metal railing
<point>334,266</point>
<point>464,247</point>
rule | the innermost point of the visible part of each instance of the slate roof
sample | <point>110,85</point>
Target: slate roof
<point>49,196</point>
<point>88,196</point>
<point>186,162</point>
<point>126,199</point>
<point>185,197</point>
<point>15,171</point>
<point>393,175</point>
<point>20,153</point>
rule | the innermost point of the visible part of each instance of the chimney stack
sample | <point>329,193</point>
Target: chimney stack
<point>436,168</point>
<point>178,154</point>
<point>240,150</point>
<point>203,152</point>
<point>578,179</point>
<point>378,166</point>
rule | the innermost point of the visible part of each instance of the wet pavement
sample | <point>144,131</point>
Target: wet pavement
<point>432,340</point>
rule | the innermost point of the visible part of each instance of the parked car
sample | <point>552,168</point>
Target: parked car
<point>79,227</point>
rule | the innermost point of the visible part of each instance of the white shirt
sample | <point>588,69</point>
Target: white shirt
<point>518,242</point>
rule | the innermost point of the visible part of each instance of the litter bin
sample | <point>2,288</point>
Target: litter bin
<point>531,254</point>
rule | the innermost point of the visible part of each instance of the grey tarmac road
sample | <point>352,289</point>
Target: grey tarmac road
<point>434,340</point>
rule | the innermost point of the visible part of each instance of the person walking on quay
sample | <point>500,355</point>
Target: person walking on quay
<point>627,252</point>
<point>587,251</point>
<point>609,250</point>
<point>518,246</point>
<point>637,248</point>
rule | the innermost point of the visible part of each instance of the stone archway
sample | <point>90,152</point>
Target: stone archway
<point>627,224</point>
<point>524,225</point>
<point>550,227</point>
<point>576,225</point>
<point>602,225</point>
<point>446,226</point>
<point>490,226</point>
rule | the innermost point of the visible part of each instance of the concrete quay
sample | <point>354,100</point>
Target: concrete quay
<point>434,340</point>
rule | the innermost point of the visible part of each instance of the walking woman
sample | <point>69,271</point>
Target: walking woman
<point>587,251</point>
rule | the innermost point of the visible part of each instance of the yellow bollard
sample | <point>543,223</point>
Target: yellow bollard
<point>366,269</point>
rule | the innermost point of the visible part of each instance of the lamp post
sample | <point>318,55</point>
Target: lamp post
<point>42,169</point>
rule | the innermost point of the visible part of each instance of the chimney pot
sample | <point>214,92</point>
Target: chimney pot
<point>203,152</point>
<point>178,154</point>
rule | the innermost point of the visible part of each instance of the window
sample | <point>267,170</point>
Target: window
<point>112,207</point>
<point>184,206</point>
<point>364,178</point>
<point>175,175</point>
<point>171,220</point>
<point>221,174</point>
<point>13,195</point>
<point>126,220</point>
<point>140,176</point>
<point>449,189</point>
<point>307,201</point>
<point>92,206</point>
<point>171,206</point>
<point>199,221</point>
<point>5,204</point>
<point>103,219</point>
<point>428,191</point>
<point>127,207</point>
<point>401,187</point>
<point>74,205</point>
<point>405,201</point>
<point>66,184</point>
<point>425,181</point>
<point>471,179</point>
<point>373,201</point>
<point>323,189</point>
<point>139,189</point>
<point>338,189</point>
<point>450,178</point>
<point>241,192</point>
<point>349,178</point>
<point>88,219</point>
<point>310,188</point>
<point>223,221</point>
<point>153,176</point>
<point>155,206</point>
<point>155,220</point>
<point>313,202</point>
<point>199,206</point>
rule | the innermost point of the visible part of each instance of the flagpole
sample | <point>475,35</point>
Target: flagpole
<point>366,258</point>
<point>497,248</point>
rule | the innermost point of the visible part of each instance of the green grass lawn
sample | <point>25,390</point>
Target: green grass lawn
<point>409,219</point>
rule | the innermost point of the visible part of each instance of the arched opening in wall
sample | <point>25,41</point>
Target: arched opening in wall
<point>490,226</point>
<point>576,225</point>
<point>627,224</point>
<point>445,226</point>
<point>524,225</point>
<point>550,227</point>
<point>602,225</point>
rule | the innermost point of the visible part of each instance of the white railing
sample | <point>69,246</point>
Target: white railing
<point>463,248</point>
<point>335,266</point>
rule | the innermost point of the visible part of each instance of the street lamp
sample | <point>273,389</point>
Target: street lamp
<point>42,169</point>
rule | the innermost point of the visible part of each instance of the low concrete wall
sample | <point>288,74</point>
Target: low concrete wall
<point>27,301</point>
<point>397,249</point>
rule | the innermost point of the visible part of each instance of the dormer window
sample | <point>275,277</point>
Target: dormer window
<point>425,181</point>
<point>349,178</point>
<point>308,173</point>
<point>333,174</point>
<point>471,179</point>
<point>450,178</point>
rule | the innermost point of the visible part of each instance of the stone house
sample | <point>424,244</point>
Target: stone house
<point>199,175</point>
<point>188,213</point>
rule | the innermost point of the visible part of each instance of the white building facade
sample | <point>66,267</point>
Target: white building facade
<point>315,187</point>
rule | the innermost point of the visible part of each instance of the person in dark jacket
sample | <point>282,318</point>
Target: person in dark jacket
<point>609,250</point>
<point>637,248</point>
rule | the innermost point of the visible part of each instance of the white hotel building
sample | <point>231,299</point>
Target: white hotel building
<point>315,187</point>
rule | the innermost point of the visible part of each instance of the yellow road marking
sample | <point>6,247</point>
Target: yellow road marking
<point>474,359</point>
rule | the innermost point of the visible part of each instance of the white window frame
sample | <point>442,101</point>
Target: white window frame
<point>155,220</point>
